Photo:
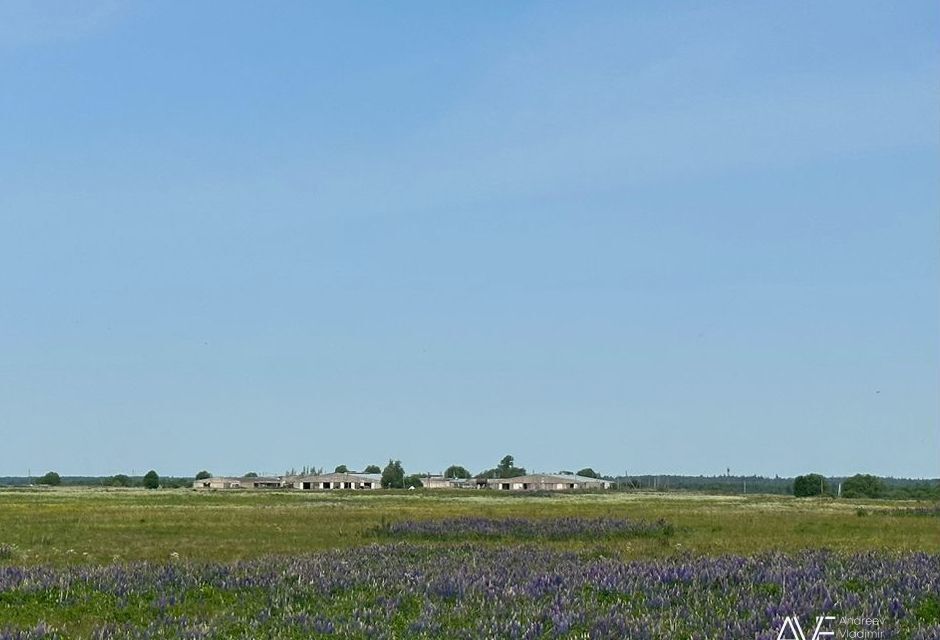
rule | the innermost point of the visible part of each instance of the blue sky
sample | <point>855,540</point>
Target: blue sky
<point>654,237</point>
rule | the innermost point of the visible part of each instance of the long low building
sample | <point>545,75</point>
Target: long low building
<point>440,482</point>
<point>249,482</point>
<point>322,481</point>
<point>544,482</point>
<point>354,481</point>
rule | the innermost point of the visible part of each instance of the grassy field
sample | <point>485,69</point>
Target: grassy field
<point>292,566</point>
<point>98,526</point>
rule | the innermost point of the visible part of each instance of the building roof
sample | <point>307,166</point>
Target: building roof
<point>577,478</point>
<point>240,479</point>
<point>342,477</point>
<point>549,477</point>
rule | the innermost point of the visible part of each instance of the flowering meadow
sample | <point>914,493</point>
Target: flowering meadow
<point>472,591</point>
<point>570,528</point>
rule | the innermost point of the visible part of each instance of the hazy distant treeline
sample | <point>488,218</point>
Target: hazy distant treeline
<point>898,488</point>
<point>119,480</point>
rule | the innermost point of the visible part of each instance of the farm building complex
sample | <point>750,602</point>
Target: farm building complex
<point>371,481</point>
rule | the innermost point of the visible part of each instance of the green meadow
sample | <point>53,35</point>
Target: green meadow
<point>77,526</point>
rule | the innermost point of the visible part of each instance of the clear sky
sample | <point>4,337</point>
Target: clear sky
<point>655,237</point>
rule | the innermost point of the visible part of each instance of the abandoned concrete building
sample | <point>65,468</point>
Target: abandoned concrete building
<point>365,481</point>
<point>543,482</point>
<point>440,482</point>
<point>249,482</point>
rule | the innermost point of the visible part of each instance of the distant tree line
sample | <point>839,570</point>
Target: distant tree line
<point>150,480</point>
<point>393,476</point>
<point>813,484</point>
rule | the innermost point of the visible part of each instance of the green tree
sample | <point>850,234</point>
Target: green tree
<point>341,469</point>
<point>120,480</point>
<point>863,485</point>
<point>456,471</point>
<point>811,484</point>
<point>588,472</point>
<point>51,478</point>
<point>250,474</point>
<point>393,476</point>
<point>373,468</point>
<point>412,481</point>
<point>507,468</point>
<point>203,475</point>
<point>151,480</point>
<point>506,463</point>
